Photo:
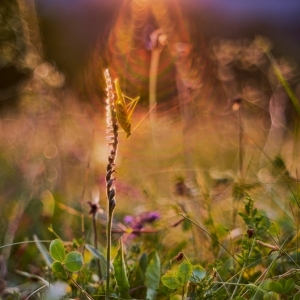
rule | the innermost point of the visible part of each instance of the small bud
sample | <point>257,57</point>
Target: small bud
<point>215,273</point>
<point>250,232</point>
<point>179,256</point>
<point>93,208</point>
<point>181,188</point>
<point>236,103</point>
<point>158,39</point>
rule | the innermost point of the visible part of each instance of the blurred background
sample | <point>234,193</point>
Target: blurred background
<point>221,117</point>
<point>70,29</point>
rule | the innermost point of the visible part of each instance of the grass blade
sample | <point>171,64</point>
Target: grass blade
<point>46,255</point>
<point>152,275</point>
<point>121,273</point>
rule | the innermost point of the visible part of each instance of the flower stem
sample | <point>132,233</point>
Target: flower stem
<point>108,255</point>
<point>112,130</point>
<point>96,244</point>
<point>78,286</point>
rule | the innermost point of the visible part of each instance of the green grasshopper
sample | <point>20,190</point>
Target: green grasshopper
<point>124,111</point>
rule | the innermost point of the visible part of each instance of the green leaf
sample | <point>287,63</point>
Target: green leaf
<point>271,296</point>
<point>265,284</point>
<point>46,255</point>
<point>152,276</point>
<point>288,285</point>
<point>96,253</point>
<point>185,271</point>
<point>143,262</point>
<point>198,273</point>
<point>246,218</point>
<point>73,261</point>
<point>186,225</point>
<point>58,268</point>
<point>275,287</point>
<point>170,280</point>
<point>121,273</point>
<point>57,250</point>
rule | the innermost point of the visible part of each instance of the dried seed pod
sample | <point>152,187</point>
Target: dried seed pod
<point>179,256</point>
<point>250,232</point>
<point>94,207</point>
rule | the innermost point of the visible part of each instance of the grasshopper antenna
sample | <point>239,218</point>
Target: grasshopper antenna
<point>144,118</point>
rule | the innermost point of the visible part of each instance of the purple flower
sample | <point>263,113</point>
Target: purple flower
<point>138,222</point>
<point>128,219</point>
<point>149,217</point>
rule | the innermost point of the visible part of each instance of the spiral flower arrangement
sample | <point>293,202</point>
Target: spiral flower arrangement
<point>112,137</point>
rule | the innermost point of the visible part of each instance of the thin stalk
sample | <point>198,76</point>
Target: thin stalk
<point>278,248</point>
<point>233,283</point>
<point>243,269</point>
<point>238,103</point>
<point>236,274</point>
<point>154,63</point>
<point>155,55</point>
<point>297,241</point>
<point>264,274</point>
<point>36,291</point>
<point>96,243</point>
<point>25,242</point>
<point>244,285</point>
<point>79,286</point>
<point>86,175</point>
<point>156,48</point>
<point>210,236</point>
<point>108,254</point>
<point>297,226</point>
<point>227,292</point>
<point>241,133</point>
